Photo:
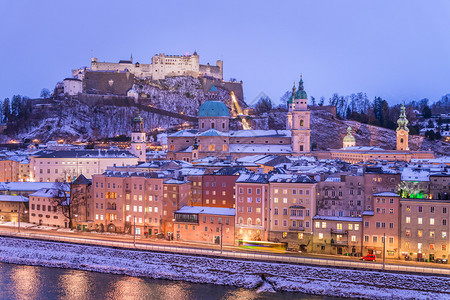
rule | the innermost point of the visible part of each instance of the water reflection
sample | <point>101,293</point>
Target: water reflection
<point>27,282</point>
<point>24,281</point>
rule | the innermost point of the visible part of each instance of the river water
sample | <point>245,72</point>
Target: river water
<point>28,282</point>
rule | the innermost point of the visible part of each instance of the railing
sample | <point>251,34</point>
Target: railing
<point>234,255</point>
<point>296,229</point>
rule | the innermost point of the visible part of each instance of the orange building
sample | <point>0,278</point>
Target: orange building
<point>9,170</point>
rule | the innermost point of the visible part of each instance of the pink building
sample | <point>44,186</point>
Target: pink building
<point>205,224</point>
<point>252,207</point>
<point>380,223</point>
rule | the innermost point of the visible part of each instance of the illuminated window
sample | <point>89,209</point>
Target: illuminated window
<point>431,221</point>
<point>353,238</point>
<point>419,233</point>
<point>317,224</point>
<point>419,220</point>
<point>350,226</point>
<point>339,226</point>
<point>284,234</point>
<point>320,236</point>
<point>408,220</point>
<point>324,224</point>
<point>300,236</point>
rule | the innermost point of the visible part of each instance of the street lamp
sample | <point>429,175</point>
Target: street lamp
<point>18,217</point>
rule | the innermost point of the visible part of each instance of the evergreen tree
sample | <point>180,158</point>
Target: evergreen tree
<point>426,112</point>
<point>6,110</point>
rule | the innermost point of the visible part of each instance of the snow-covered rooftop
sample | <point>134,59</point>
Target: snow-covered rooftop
<point>10,198</point>
<point>260,148</point>
<point>386,194</point>
<point>334,218</point>
<point>207,210</point>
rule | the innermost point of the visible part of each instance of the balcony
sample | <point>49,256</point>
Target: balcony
<point>339,243</point>
<point>296,228</point>
<point>296,217</point>
<point>339,231</point>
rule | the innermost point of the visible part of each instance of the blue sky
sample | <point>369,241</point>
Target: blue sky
<point>399,50</point>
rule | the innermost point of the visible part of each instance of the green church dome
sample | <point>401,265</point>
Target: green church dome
<point>213,108</point>
<point>301,94</point>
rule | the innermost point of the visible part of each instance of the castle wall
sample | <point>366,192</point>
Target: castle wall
<point>163,66</point>
<point>108,82</point>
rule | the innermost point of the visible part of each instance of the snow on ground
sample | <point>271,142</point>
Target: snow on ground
<point>247,274</point>
<point>28,225</point>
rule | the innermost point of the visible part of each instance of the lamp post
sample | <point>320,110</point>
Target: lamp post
<point>18,217</point>
<point>384,250</point>
<point>134,232</point>
<point>221,238</point>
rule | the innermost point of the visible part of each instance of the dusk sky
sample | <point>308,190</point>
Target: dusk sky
<point>399,50</point>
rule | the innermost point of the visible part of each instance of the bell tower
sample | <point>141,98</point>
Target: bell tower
<point>301,130</point>
<point>138,138</point>
<point>291,104</point>
<point>402,130</point>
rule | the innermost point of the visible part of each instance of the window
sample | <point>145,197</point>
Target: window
<point>366,238</point>
<point>444,234</point>
<point>353,238</point>
<point>275,211</point>
<point>300,236</point>
<point>320,236</point>
<point>339,226</point>
<point>419,233</point>
<point>444,222</point>
<point>431,221</point>
<point>391,225</point>
<point>432,209</point>
<point>374,239</point>
<point>408,220</point>
<point>391,240</point>
<point>419,220</point>
<point>324,225</point>
<point>366,224</point>
<point>444,210</point>
<point>420,209</point>
<point>408,232</point>
<point>356,226</point>
<point>350,226</point>
<point>317,224</point>
<point>431,234</point>
<point>377,224</point>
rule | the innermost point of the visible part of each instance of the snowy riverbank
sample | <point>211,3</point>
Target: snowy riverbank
<point>247,274</point>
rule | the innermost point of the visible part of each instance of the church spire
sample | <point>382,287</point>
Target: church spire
<point>402,120</point>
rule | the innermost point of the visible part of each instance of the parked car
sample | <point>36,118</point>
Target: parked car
<point>369,257</point>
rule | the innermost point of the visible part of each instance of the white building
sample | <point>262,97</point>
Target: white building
<point>72,86</point>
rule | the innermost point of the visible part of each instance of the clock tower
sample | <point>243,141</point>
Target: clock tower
<point>301,130</point>
<point>138,138</point>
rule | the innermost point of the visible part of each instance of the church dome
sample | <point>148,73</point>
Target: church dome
<point>213,109</point>
<point>301,94</point>
<point>349,139</point>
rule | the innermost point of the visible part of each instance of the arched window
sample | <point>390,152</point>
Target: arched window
<point>213,124</point>
<point>401,140</point>
<point>258,221</point>
<point>241,220</point>
<point>249,221</point>
<point>301,122</point>
<point>203,124</point>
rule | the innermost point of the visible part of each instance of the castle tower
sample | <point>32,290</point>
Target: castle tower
<point>301,132</point>
<point>138,138</point>
<point>402,130</point>
<point>291,105</point>
<point>349,139</point>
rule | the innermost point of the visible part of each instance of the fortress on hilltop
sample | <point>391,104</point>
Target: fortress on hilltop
<point>162,66</point>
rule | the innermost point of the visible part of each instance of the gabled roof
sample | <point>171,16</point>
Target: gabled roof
<point>82,180</point>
